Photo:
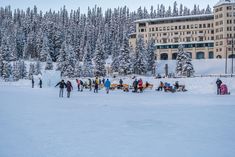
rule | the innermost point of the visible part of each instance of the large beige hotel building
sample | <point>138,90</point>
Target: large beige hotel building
<point>203,36</point>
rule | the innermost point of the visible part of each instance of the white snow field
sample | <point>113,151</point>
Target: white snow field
<point>198,123</point>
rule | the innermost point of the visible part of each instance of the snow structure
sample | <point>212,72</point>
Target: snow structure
<point>184,66</point>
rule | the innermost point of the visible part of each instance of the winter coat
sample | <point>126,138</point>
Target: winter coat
<point>218,82</point>
<point>61,84</point>
<point>135,84</point>
<point>69,86</point>
<point>78,82</point>
<point>120,82</point>
<point>140,84</point>
<point>107,84</point>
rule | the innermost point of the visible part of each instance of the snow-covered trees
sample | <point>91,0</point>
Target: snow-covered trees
<point>64,37</point>
<point>31,71</point>
<point>49,63</point>
<point>99,59</point>
<point>88,69</point>
<point>140,63</point>
<point>124,57</point>
<point>184,66</point>
<point>44,50</point>
<point>150,55</point>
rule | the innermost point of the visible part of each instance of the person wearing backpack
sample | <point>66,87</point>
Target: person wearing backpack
<point>69,88</point>
<point>62,85</point>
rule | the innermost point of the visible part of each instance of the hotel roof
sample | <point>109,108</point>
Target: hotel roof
<point>224,2</point>
<point>176,18</point>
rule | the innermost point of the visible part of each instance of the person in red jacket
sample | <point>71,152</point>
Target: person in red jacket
<point>69,88</point>
<point>140,84</point>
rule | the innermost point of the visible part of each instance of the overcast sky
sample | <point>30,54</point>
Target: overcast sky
<point>83,4</point>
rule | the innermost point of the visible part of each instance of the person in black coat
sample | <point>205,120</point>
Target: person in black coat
<point>218,83</point>
<point>32,82</point>
<point>40,83</point>
<point>135,85</point>
<point>62,85</point>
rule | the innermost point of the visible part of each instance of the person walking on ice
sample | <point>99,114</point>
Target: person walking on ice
<point>32,82</point>
<point>107,85</point>
<point>69,88</point>
<point>40,82</point>
<point>62,85</point>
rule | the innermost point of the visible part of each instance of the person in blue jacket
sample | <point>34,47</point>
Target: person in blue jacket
<point>107,85</point>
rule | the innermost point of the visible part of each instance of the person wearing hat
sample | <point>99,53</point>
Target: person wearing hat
<point>62,85</point>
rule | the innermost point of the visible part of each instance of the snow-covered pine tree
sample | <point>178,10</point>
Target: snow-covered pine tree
<point>88,69</point>
<point>31,71</point>
<point>78,69</point>
<point>23,70</point>
<point>140,65</point>
<point>6,71</point>
<point>150,55</point>
<point>99,58</point>
<point>38,68</point>
<point>115,56</point>
<point>62,57</point>
<point>175,9</point>
<point>184,66</point>
<point>44,50</point>
<point>124,57</point>
<point>1,63</point>
<point>16,71</point>
<point>69,63</point>
<point>49,63</point>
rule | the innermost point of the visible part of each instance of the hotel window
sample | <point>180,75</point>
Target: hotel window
<point>176,27</point>
<point>153,29</point>
<point>196,25</point>
<point>179,27</point>
<point>229,8</point>
<point>200,25</point>
<point>204,25</point>
<point>188,39</point>
<point>156,28</point>
<point>200,38</point>
<point>208,25</point>
<point>183,26</point>
<point>187,26</point>
<point>191,26</point>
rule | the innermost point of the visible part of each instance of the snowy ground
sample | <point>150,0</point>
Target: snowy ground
<point>36,123</point>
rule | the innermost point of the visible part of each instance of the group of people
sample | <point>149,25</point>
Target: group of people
<point>40,82</point>
<point>137,84</point>
<point>167,87</point>
<point>81,85</point>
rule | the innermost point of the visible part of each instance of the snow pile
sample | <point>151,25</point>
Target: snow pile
<point>201,66</point>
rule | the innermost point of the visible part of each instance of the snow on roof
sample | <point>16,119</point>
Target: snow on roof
<point>194,42</point>
<point>176,18</point>
<point>223,2</point>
